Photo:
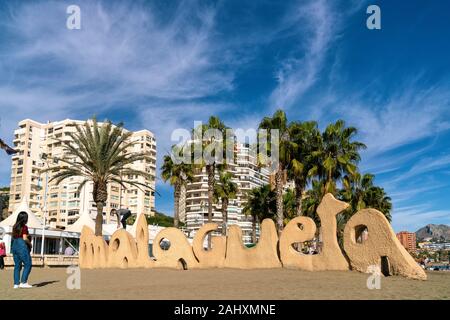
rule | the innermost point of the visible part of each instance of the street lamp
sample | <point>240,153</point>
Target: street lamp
<point>44,157</point>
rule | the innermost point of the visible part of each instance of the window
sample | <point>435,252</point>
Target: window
<point>17,197</point>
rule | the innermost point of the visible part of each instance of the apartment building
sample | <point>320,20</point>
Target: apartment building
<point>408,240</point>
<point>246,174</point>
<point>39,145</point>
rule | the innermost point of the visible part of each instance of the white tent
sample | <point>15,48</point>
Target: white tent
<point>84,220</point>
<point>33,221</point>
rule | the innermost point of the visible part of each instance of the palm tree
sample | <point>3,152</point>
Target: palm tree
<point>312,200</point>
<point>225,190</point>
<point>337,155</point>
<point>377,198</point>
<point>99,154</point>
<point>361,193</point>
<point>261,204</point>
<point>289,205</point>
<point>211,166</point>
<point>284,146</point>
<point>306,140</point>
<point>178,176</point>
<point>10,151</point>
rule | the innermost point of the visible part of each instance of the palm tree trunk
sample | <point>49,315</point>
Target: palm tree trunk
<point>182,202</point>
<point>176,209</point>
<point>210,171</point>
<point>298,197</point>
<point>254,229</point>
<point>99,219</point>
<point>100,194</point>
<point>279,192</point>
<point>224,216</point>
<point>211,179</point>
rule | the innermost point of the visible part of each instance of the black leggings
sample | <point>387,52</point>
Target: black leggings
<point>2,263</point>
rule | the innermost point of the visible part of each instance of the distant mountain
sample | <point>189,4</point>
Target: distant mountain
<point>434,231</point>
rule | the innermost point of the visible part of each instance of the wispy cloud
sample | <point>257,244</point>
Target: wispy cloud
<point>301,69</point>
<point>409,115</point>
<point>414,217</point>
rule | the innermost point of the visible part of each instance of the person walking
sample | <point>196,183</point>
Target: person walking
<point>21,247</point>
<point>2,255</point>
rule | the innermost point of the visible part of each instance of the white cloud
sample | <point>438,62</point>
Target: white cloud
<point>317,23</point>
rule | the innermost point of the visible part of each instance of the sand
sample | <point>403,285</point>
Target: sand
<point>274,284</point>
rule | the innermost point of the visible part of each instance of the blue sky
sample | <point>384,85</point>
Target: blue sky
<point>161,65</point>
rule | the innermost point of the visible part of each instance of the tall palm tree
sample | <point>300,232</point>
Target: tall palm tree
<point>261,204</point>
<point>306,140</point>
<point>284,146</point>
<point>337,155</point>
<point>210,143</point>
<point>225,190</point>
<point>99,154</point>
<point>178,175</point>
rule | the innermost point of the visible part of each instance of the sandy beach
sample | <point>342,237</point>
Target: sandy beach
<point>276,284</point>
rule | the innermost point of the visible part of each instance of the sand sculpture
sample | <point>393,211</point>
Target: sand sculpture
<point>331,257</point>
<point>381,248</point>
<point>214,258</point>
<point>263,255</point>
<point>180,254</point>
<point>93,250</point>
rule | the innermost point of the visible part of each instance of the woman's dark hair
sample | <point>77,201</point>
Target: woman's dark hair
<point>22,219</point>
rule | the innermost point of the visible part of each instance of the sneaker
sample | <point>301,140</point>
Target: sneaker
<point>16,286</point>
<point>25,286</point>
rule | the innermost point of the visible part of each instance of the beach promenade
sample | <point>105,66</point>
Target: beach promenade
<point>225,284</point>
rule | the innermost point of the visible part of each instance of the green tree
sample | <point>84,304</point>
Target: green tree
<point>289,205</point>
<point>210,142</point>
<point>284,146</point>
<point>306,139</point>
<point>261,204</point>
<point>99,154</point>
<point>311,201</point>
<point>360,192</point>
<point>337,155</point>
<point>178,175</point>
<point>4,203</point>
<point>213,145</point>
<point>225,190</point>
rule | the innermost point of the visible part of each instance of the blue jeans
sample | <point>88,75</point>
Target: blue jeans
<point>21,255</point>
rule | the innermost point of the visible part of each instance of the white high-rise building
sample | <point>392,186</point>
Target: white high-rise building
<point>64,202</point>
<point>246,174</point>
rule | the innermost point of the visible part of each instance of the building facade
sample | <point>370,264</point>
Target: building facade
<point>246,174</point>
<point>408,240</point>
<point>39,144</point>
